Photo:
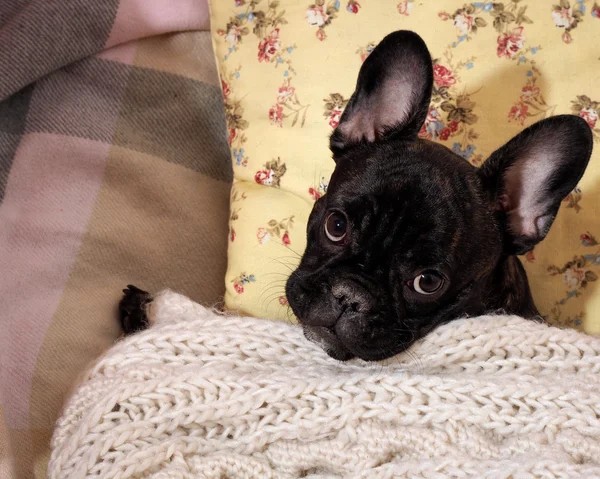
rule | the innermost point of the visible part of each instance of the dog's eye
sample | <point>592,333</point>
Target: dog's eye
<point>428,282</point>
<point>336,226</point>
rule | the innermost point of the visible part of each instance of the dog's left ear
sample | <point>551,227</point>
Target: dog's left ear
<point>527,178</point>
<point>392,93</point>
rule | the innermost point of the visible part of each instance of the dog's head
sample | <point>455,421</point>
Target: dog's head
<point>409,234</point>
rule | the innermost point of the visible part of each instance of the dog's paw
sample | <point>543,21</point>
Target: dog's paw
<point>132,309</point>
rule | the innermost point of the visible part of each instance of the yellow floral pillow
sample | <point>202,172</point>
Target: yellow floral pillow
<point>288,68</point>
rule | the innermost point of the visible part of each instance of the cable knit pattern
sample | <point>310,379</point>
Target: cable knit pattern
<point>200,395</point>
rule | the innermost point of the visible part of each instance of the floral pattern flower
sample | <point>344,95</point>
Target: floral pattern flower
<point>573,198</point>
<point>433,124</point>
<point>464,22</point>
<point>334,107</point>
<point>435,128</point>
<point>288,106</point>
<point>510,44</point>
<point>316,192</point>
<point>264,177</point>
<point>285,93</point>
<point>234,35</point>
<point>563,17</point>
<point>365,51</point>
<point>336,115</point>
<point>587,239</point>
<point>518,112</point>
<point>577,275</point>
<point>574,276</point>
<point>567,38</point>
<point>531,103</point>
<point>225,89</point>
<point>317,16</point>
<point>283,301</point>
<point>530,93</point>
<point>466,19</point>
<point>320,15</point>
<point>241,280</point>
<point>271,173</point>
<point>567,17</point>
<point>590,115</point>
<point>231,135</point>
<point>276,229</point>
<point>405,8</point>
<point>442,76</point>
<point>263,235</point>
<point>276,115</point>
<point>353,6</point>
<point>587,109</point>
<point>269,47</point>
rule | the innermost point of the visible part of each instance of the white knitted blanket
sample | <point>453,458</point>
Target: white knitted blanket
<point>205,396</point>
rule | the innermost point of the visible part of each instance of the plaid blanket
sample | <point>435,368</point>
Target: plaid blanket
<point>114,168</point>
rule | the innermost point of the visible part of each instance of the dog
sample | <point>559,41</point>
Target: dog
<point>409,234</point>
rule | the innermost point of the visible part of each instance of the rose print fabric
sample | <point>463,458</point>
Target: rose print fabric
<point>289,67</point>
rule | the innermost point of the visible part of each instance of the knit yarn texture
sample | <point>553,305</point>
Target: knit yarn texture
<point>200,395</point>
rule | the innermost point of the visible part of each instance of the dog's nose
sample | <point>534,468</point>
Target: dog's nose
<point>333,300</point>
<point>352,297</point>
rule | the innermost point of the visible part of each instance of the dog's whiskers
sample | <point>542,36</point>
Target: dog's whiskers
<point>291,268</point>
<point>289,248</point>
<point>275,285</point>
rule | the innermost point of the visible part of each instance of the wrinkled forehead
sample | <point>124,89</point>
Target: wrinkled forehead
<point>416,205</point>
<point>420,167</point>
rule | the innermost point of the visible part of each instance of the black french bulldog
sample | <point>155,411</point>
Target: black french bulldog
<point>409,234</point>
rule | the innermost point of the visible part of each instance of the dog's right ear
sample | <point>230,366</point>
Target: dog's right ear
<point>528,178</point>
<point>392,93</point>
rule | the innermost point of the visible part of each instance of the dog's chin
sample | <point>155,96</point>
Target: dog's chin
<point>328,341</point>
<point>342,342</point>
